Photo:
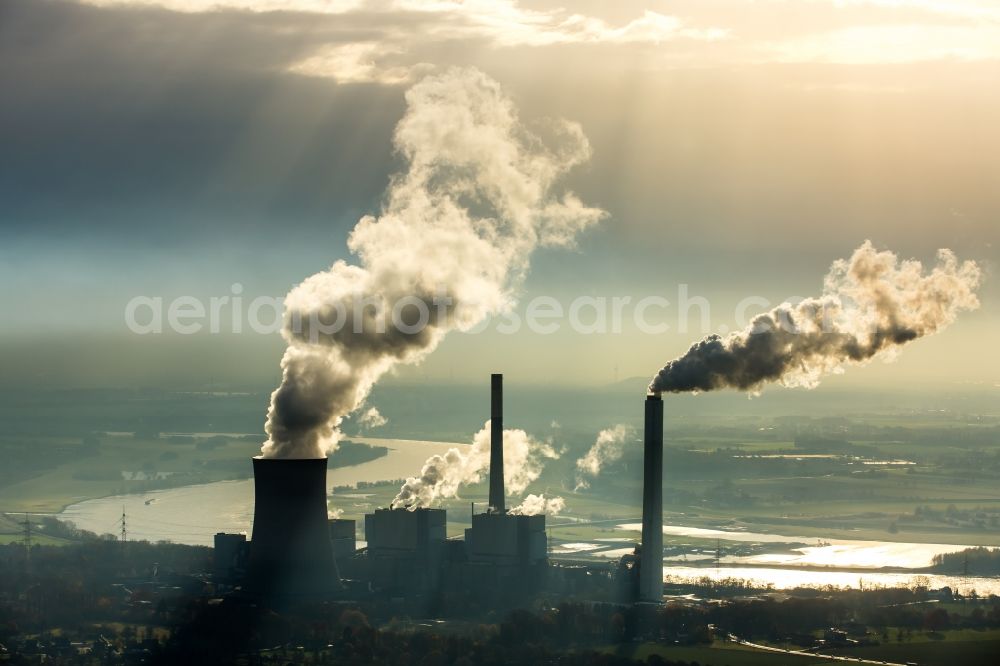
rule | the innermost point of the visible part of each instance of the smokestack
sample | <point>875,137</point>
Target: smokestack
<point>651,562</point>
<point>291,553</point>
<point>496,444</point>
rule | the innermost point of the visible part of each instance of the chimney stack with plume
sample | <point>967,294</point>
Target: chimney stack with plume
<point>651,559</point>
<point>443,475</point>
<point>496,444</point>
<point>872,304</point>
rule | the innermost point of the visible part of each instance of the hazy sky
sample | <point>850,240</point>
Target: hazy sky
<point>176,147</point>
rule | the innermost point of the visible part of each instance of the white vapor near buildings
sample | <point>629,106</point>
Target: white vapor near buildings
<point>451,246</point>
<point>607,448</point>
<point>372,418</point>
<point>443,476</point>
<point>533,505</point>
<point>872,304</point>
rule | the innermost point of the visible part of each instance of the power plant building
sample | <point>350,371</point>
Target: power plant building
<point>229,557</point>
<point>408,550</point>
<point>405,548</point>
<point>343,536</point>
<point>506,539</point>
<point>506,554</point>
<point>291,553</point>
<point>502,561</point>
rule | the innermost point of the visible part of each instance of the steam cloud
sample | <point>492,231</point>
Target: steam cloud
<point>607,448</point>
<point>372,418</point>
<point>532,505</point>
<point>443,475</point>
<point>872,304</point>
<point>450,247</point>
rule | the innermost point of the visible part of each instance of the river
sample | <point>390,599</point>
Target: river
<point>784,578</point>
<point>193,514</point>
<point>854,553</point>
<point>803,566</point>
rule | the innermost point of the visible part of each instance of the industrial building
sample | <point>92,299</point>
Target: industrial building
<point>503,539</point>
<point>229,558</point>
<point>496,536</point>
<point>503,556</point>
<point>502,561</point>
<point>406,549</point>
<point>343,536</point>
<point>291,553</point>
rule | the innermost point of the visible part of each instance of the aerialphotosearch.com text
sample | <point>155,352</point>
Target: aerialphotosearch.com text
<point>366,314</point>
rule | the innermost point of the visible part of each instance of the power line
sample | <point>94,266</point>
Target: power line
<point>124,536</point>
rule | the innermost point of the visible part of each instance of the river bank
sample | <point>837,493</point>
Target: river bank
<point>193,514</point>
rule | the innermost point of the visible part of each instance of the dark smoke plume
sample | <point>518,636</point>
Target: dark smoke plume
<point>872,304</point>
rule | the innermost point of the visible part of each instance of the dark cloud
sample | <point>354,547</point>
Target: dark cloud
<point>147,122</point>
<point>139,123</point>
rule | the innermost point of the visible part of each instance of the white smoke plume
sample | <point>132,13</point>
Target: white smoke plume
<point>532,505</point>
<point>872,304</point>
<point>450,247</point>
<point>607,448</point>
<point>442,476</point>
<point>372,418</point>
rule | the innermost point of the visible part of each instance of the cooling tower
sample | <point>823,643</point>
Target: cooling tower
<point>651,562</point>
<point>291,553</point>
<point>496,444</point>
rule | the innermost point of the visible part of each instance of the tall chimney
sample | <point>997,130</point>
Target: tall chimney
<point>291,553</point>
<point>651,560</point>
<point>496,444</point>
